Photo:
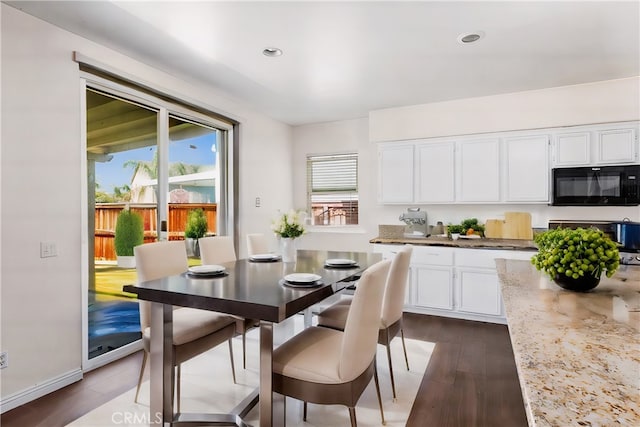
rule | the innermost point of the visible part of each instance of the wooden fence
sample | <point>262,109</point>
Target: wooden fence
<point>106,215</point>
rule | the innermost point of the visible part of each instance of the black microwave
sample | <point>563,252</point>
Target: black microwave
<point>597,186</point>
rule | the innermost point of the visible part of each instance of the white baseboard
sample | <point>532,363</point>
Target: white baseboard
<point>33,393</point>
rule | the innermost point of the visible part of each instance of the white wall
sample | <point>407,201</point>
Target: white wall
<point>337,137</point>
<point>600,102</point>
<point>41,189</point>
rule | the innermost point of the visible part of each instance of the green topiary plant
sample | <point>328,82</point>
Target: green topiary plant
<point>129,232</point>
<point>196,224</point>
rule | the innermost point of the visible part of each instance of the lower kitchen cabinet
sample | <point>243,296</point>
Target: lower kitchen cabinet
<point>455,282</point>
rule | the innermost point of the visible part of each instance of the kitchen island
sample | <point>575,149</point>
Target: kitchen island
<point>577,354</point>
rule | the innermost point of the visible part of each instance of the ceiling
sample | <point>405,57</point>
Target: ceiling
<point>344,59</point>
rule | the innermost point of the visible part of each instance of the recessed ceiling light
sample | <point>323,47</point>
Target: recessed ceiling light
<point>467,38</point>
<point>272,51</point>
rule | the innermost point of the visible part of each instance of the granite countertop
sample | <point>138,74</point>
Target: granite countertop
<point>483,243</point>
<point>577,354</point>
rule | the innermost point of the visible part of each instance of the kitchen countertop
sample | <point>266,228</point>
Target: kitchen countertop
<point>460,243</point>
<point>577,354</point>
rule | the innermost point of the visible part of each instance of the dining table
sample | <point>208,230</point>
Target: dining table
<point>252,288</point>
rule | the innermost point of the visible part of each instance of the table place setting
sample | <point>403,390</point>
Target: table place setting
<point>206,271</point>
<point>265,258</point>
<point>302,280</point>
<point>340,263</point>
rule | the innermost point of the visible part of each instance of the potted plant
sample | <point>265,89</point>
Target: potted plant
<point>454,230</point>
<point>129,233</point>
<point>195,228</point>
<point>576,259</point>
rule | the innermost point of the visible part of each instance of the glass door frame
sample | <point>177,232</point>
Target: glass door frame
<point>227,186</point>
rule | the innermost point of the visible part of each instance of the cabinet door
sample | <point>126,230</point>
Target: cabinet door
<point>616,146</point>
<point>479,291</point>
<point>527,169</point>
<point>572,149</point>
<point>479,171</point>
<point>433,287</point>
<point>395,173</point>
<point>435,172</point>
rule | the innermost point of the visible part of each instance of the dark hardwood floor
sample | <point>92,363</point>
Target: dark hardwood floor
<point>471,380</point>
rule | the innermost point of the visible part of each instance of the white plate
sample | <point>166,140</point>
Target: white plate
<point>207,269</point>
<point>302,278</point>
<point>339,261</point>
<point>264,256</point>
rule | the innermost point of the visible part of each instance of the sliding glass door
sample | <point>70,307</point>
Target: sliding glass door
<point>163,164</point>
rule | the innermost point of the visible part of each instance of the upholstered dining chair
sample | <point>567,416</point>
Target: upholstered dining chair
<point>218,250</point>
<point>194,331</point>
<point>335,315</point>
<point>331,367</point>
<point>257,244</point>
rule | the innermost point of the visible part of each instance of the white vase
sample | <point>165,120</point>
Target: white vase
<point>288,248</point>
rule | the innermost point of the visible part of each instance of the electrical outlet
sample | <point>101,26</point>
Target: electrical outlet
<point>48,249</point>
<point>258,202</point>
<point>4,360</point>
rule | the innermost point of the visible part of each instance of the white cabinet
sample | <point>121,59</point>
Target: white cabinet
<point>432,278</point>
<point>435,165</point>
<point>614,146</point>
<point>526,178</point>
<point>610,144</point>
<point>572,149</point>
<point>479,171</point>
<point>395,165</point>
<point>455,282</point>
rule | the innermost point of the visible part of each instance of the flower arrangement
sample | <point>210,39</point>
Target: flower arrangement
<point>289,225</point>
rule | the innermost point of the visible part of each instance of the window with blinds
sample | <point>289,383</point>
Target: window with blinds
<point>332,189</point>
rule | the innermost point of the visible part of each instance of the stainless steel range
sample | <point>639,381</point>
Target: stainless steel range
<point>628,255</point>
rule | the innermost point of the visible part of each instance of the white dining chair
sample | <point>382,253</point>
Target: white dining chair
<point>335,316</point>
<point>220,250</point>
<point>194,331</point>
<point>330,367</point>
<point>257,244</point>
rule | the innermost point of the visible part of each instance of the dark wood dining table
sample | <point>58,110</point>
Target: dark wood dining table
<point>248,289</point>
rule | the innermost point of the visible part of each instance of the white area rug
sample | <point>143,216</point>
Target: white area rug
<point>207,386</point>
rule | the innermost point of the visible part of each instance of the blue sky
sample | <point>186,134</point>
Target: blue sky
<point>189,151</point>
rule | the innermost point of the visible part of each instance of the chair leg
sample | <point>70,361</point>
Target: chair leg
<point>375,379</point>
<point>233,369</point>
<point>352,416</point>
<point>144,364</point>
<point>404,347</point>
<point>304,411</point>
<point>244,349</point>
<point>393,383</point>
<point>178,381</point>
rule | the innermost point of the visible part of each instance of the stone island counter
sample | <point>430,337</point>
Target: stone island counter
<point>577,354</point>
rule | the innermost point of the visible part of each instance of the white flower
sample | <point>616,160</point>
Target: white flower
<point>289,225</point>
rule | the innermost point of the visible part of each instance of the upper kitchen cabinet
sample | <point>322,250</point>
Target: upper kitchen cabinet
<point>435,166</point>
<point>478,171</point>
<point>395,173</point>
<point>526,178</point>
<point>609,144</point>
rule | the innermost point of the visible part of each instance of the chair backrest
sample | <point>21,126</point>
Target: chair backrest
<point>257,244</point>
<point>157,260</point>
<point>396,287</point>
<point>360,337</point>
<point>217,250</point>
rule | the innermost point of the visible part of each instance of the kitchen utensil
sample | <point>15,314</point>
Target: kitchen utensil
<point>517,225</point>
<point>493,228</point>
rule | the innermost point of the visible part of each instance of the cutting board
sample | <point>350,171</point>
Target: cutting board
<point>493,228</point>
<point>517,225</point>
